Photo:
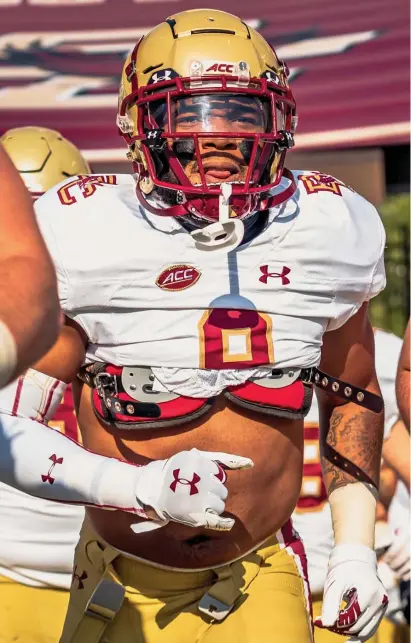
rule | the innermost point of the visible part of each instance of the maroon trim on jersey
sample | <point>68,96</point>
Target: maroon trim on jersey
<point>18,395</point>
<point>49,399</point>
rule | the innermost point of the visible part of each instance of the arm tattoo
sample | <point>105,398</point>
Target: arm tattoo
<point>351,447</point>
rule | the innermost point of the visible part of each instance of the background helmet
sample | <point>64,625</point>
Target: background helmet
<point>202,56</point>
<point>43,157</point>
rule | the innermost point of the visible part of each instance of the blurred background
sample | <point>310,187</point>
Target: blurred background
<point>60,62</point>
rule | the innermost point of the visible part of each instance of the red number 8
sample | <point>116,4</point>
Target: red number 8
<point>235,339</point>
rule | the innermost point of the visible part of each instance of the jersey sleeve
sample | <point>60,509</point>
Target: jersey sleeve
<point>59,226</point>
<point>44,215</point>
<point>360,253</point>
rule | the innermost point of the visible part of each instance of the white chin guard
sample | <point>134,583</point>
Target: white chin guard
<point>227,233</point>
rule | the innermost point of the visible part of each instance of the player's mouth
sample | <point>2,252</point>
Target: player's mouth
<point>223,167</point>
<point>220,169</point>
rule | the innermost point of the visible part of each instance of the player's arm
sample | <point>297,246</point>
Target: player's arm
<point>353,432</point>
<point>29,310</point>
<point>396,452</point>
<point>350,444</point>
<point>43,462</point>
<point>403,379</point>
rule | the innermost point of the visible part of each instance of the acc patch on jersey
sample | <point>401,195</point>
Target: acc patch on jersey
<point>317,182</point>
<point>178,277</point>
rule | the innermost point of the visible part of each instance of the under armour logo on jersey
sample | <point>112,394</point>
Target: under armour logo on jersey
<point>79,578</point>
<point>192,483</point>
<point>55,460</point>
<point>281,275</point>
<point>162,75</point>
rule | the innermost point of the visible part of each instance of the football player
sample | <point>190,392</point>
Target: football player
<point>37,537</point>
<point>403,378</point>
<point>205,296</point>
<point>312,517</point>
<point>29,311</point>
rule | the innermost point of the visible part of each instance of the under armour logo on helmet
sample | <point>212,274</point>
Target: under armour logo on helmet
<point>271,76</point>
<point>162,75</point>
<point>281,275</point>
<point>192,483</point>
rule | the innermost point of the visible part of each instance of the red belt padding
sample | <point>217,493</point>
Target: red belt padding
<point>165,414</point>
<point>292,401</point>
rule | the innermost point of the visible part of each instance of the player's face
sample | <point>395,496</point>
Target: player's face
<point>223,159</point>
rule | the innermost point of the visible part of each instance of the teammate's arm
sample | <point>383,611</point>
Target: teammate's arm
<point>403,379</point>
<point>29,309</point>
<point>43,462</point>
<point>350,443</point>
<point>353,432</point>
<point>396,452</point>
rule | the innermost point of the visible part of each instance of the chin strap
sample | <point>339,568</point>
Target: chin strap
<point>227,233</point>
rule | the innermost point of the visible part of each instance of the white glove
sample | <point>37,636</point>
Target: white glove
<point>188,488</point>
<point>352,577</point>
<point>397,556</point>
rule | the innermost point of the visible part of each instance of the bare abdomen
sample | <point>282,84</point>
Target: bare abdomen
<point>260,499</point>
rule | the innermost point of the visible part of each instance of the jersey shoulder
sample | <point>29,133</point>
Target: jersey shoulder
<point>339,222</point>
<point>84,193</point>
<point>85,221</point>
<point>332,197</point>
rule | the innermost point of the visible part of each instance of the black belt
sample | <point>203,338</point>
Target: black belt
<point>108,386</point>
<point>338,387</point>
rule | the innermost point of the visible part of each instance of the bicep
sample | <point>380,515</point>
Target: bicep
<point>64,359</point>
<point>348,353</point>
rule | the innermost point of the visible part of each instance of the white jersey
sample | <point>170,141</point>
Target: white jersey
<point>145,295</point>
<point>312,517</point>
<point>38,537</point>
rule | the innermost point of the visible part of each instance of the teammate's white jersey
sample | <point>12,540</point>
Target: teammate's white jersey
<point>312,517</point>
<point>145,295</point>
<point>37,536</point>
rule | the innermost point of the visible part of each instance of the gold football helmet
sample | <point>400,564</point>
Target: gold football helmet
<point>204,101</point>
<point>43,157</point>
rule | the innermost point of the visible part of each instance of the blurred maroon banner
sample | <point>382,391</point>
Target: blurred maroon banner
<point>60,62</point>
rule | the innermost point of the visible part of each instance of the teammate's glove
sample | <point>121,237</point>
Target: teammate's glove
<point>352,577</point>
<point>397,556</point>
<point>187,488</point>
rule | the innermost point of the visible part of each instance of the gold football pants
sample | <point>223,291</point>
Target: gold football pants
<point>261,598</point>
<point>31,614</point>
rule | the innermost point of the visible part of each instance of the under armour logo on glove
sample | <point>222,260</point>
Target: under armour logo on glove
<point>55,460</point>
<point>201,503</point>
<point>79,578</point>
<point>350,614</point>
<point>281,275</point>
<point>192,483</point>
